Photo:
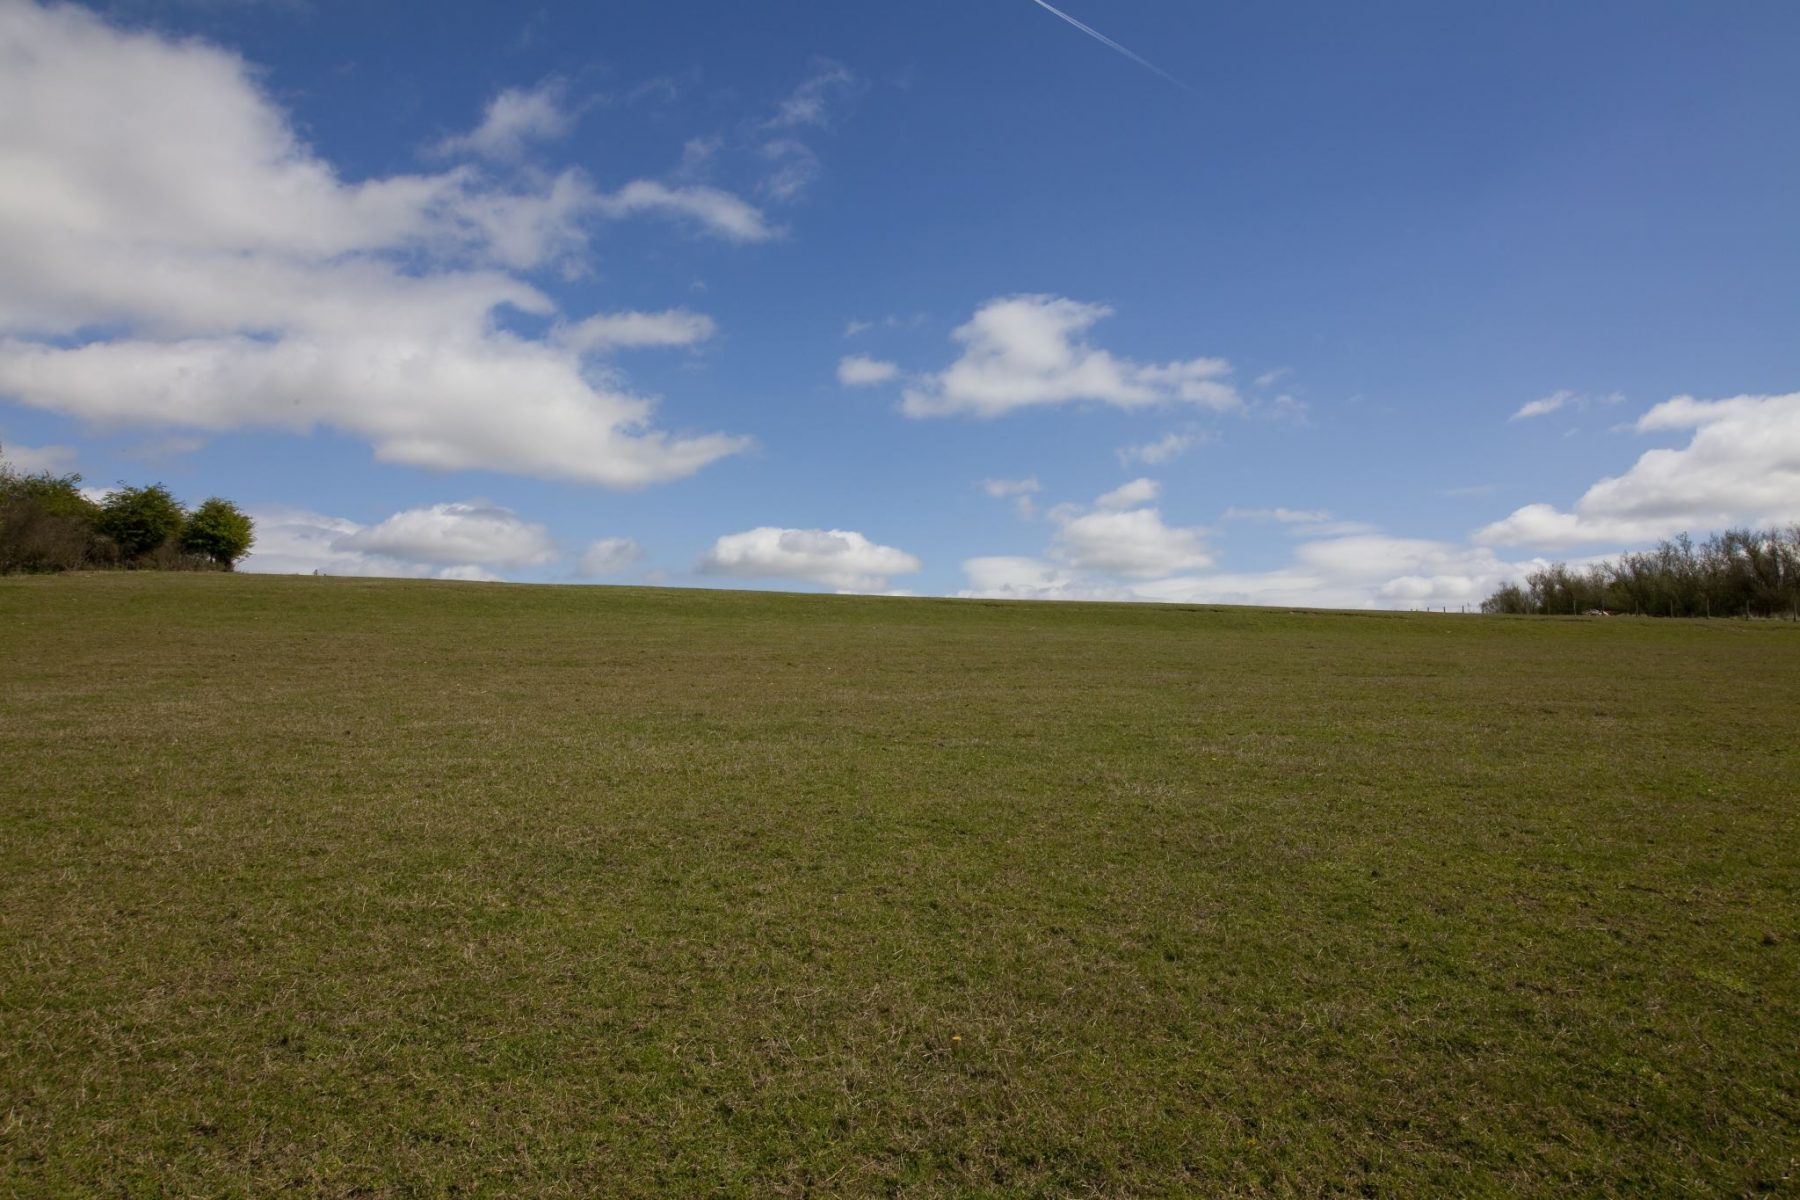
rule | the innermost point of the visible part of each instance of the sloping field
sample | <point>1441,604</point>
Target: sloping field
<point>420,889</point>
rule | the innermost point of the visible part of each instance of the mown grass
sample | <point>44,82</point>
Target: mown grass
<point>412,889</point>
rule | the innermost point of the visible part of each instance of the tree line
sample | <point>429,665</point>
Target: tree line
<point>47,523</point>
<point>1741,572</point>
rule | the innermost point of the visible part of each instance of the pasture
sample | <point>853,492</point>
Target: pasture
<point>369,888</point>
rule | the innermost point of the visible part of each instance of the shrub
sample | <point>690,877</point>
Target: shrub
<point>218,531</point>
<point>1739,572</point>
<point>46,524</point>
<point>140,519</point>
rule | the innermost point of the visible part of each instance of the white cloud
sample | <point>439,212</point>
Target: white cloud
<point>664,89</point>
<point>1119,549</point>
<point>1019,491</point>
<point>164,448</point>
<point>1271,378</point>
<point>469,532</point>
<point>810,103</point>
<point>1286,410</point>
<point>29,460</point>
<point>1563,399</point>
<point>854,328</point>
<point>1025,351</point>
<point>1302,522</point>
<point>629,330</point>
<point>1007,577</point>
<point>609,556</point>
<point>1000,489</point>
<point>152,188</point>
<point>1134,543</point>
<point>716,212</point>
<point>1165,449</point>
<point>1130,495</point>
<point>1350,572</point>
<point>514,118</point>
<point>1542,406</point>
<point>837,558</point>
<point>291,541</point>
<point>857,370</point>
<point>470,574</point>
<point>1741,466</point>
<point>434,405</point>
<point>793,168</point>
<point>697,157</point>
<point>1285,515</point>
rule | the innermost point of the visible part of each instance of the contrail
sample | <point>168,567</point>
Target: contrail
<point>1106,41</point>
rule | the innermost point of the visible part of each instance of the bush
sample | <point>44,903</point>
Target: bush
<point>139,520</point>
<point>219,532</point>
<point>46,524</point>
<point>1740,572</point>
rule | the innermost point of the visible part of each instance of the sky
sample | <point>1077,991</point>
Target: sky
<point>1278,303</point>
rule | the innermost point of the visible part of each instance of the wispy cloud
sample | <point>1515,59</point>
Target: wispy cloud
<point>811,102</point>
<point>1109,43</point>
<point>1564,399</point>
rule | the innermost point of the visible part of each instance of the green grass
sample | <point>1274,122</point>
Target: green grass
<point>361,888</point>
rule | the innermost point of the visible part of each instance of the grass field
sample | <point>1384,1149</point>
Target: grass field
<point>361,888</point>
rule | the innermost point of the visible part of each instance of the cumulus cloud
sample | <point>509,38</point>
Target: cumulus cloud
<point>514,118</point>
<point>293,541</point>
<point>1009,577</point>
<point>1741,466</point>
<point>154,192</point>
<point>470,574</point>
<point>1133,543</point>
<point>1362,571</point>
<point>29,460</point>
<point>1118,548</point>
<point>1359,571</point>
<point>451,534</point>
<point>1027,351</point>
<point>608,556</point>
<point>629,330</point>
<point>857,370</point>
<point>499,404</point>
<point>1118,537</point>
<point>837,558</point>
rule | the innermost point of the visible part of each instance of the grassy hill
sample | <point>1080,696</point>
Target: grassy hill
<point>420,889</point>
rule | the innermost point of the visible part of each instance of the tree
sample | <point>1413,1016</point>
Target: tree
<point>140,519</point>
<point>218,530</point>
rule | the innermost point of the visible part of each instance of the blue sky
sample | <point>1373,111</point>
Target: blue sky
<point>1376,306</point>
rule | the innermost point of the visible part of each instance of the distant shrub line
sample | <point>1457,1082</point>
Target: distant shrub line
<point>1740,572</point>
<point>47,524</point>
